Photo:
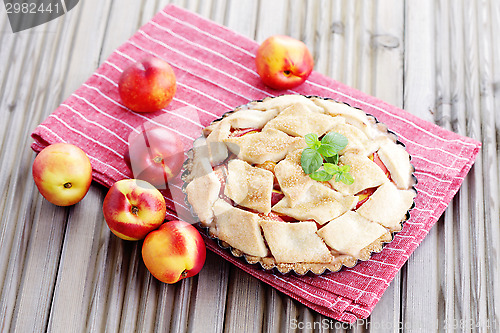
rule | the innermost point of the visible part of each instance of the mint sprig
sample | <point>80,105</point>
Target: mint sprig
<point>320,159</point>
<point>311,160</point>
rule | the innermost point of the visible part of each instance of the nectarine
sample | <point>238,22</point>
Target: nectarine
<point>155,155</point>
<point>148,85</point>
<point>283,62</point>
<point>173,252</point>
<point>62,173</point>
<point>133,208</point>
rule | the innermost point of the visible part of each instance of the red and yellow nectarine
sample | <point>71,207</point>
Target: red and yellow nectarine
<point>155,155</point>
<point>148,85</point>
<point>62,173</point>
<point>173,252</point>
<point>133,208</point>
<point>283,62</point>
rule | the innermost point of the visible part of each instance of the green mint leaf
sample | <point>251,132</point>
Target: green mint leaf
<point>349,178</point>
<point>332,159</point>
<point>336,140</point>
<point>345,168</point>
<point>344,177</point>
<point>321,176</point>
<point>312,140</point>
<point>327,150</point>
<point>332,169</point>
<point>310,160</point>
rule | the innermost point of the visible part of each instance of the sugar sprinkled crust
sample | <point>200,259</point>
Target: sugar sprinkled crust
<point>267,145</point>
<point>268,210</point>
<point>292,180</point>
<point>249,186</point>
<point>366,174</point>
<point>239,228</point>
<point>299,120</point>
<point>319,203</point>
<point>388,205</point>
<point>351,233</point>
<point>295,242</point>
<point>395,158</point>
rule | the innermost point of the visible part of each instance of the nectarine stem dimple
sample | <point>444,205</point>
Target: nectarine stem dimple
<point>67,185</point>
<point>184,273</point>
<point>135,210</point>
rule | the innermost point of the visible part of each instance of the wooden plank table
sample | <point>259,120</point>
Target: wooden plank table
<point>62,271</point>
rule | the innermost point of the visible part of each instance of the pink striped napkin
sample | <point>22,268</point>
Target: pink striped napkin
<point>215,72</point>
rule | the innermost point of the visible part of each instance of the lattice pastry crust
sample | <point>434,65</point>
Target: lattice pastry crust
<point>244,181</point>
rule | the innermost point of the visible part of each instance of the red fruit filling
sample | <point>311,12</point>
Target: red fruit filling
<point>375,158</point>
<point>363,196</point>
<point>243,131</point>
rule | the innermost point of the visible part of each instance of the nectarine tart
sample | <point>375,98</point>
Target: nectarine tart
<point>300,183</point>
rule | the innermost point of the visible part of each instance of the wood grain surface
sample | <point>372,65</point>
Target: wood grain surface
<point>61,270</point>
